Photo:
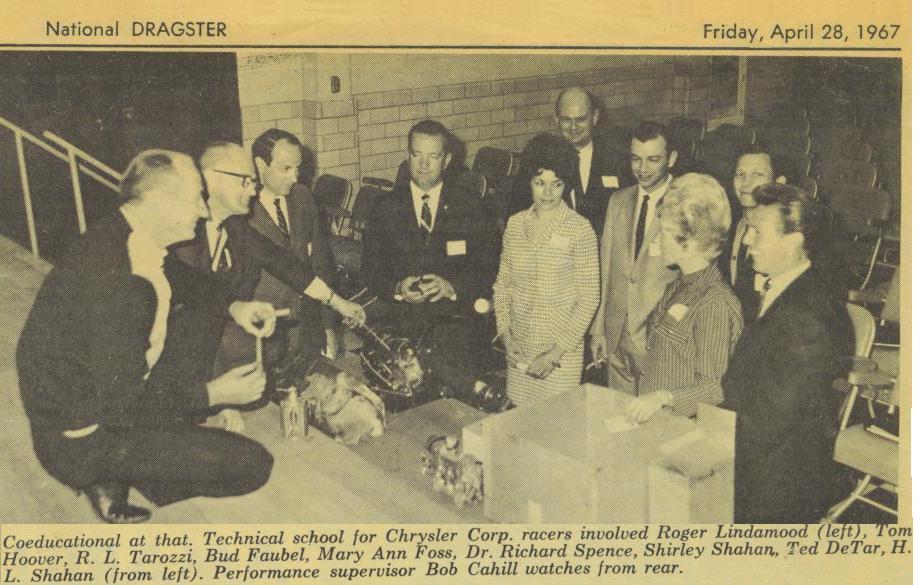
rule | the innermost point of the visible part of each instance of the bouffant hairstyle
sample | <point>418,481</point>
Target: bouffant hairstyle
<point>698,205</point>
<point>550,152</point>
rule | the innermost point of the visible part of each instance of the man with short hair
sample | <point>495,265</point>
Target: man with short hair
<point>633,273</point>
<point>755,167</point>
<point>233,253</point>
<point>601,167</point>
<point>429,252</point>
<point>779,377</point>
<point>109,405</point>
<point>286,212</point>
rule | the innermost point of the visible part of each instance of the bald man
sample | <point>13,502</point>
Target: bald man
<point>233,253</point>
<point>603,168</point>
<point>97,359</point>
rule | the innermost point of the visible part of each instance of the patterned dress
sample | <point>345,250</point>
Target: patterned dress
<point>547,292</point>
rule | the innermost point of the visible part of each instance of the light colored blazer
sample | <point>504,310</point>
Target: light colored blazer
<point>630,289</point>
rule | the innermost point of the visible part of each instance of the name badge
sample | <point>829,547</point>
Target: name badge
<point>678,311</point>
<point>559,242</point>
<point>456,248</point>
<point>309,248</point>
<point>610,182</point>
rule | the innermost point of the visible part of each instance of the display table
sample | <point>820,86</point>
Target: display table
<point>576,458</point>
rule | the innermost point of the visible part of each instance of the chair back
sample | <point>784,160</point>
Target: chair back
<point>860,211</point>
<point>493,163</point>
<point>843,172</point>
<point>365,201</point>
<point>331,191</point>
<point>891,311</point>
<point>863,324</point>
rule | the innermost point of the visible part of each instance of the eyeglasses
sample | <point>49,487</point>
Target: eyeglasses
<point>245,180</point>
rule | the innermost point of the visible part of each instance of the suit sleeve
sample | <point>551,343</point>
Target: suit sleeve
<point>800,370</point>
<point>118,334</point>
<point>597,327</point>
<point>379,268</point>
<point>280,262</point>
<point>478,275</point>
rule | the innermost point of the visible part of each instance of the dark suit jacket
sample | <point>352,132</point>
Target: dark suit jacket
<point>779,383</point>
<point>607,161</point>
<point>81,355</point>
<point>309,240</point>
<point>462,247</point>
<point>251,253</point>
<point>741,280</point>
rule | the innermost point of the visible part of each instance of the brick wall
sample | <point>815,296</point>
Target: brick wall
<point>363,133</point>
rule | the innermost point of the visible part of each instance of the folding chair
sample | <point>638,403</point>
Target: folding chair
<point>347,249</point>
<point>493,163</point>
<point>867,448</point>
<point>827,140</point>
<point>688,127</point>
<point>739,136</point>
<point>332,193</point>
<point>862,215</point>
<point>809,185</point>
<point>788,111</point>
<point>836,173</point>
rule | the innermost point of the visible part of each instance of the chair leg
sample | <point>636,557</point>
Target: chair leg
<point>837,510</point>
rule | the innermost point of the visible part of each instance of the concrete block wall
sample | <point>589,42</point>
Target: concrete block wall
<point>361,130</point>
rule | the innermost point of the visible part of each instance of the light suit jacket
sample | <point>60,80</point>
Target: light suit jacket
<point>630,289</point>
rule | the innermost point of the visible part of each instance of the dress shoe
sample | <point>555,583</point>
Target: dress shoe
<point>110,502</point>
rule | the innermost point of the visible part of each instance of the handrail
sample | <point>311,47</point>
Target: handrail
<point>83,154</point>
<point>70,156</point>
<point>55,152</point>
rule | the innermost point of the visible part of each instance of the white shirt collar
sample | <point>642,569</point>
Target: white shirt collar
<point>268,201</point>
<point>780,283</point>
<point>434,195</point>
<point>657,193</point>
<point>143,252</point>
<point>585,154</point>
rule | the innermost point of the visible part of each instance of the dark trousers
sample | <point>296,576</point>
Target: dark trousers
<point>167,464</point>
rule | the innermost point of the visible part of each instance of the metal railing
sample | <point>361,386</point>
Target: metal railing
<point>78,162</point>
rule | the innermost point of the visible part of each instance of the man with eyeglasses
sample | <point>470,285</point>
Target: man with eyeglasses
<point>228,247</point>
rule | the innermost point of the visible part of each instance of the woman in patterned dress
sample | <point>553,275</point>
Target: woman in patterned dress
<point>547,289</point>
<point>694,328</point>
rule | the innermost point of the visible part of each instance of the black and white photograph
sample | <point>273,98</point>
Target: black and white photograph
<point>437,287</point>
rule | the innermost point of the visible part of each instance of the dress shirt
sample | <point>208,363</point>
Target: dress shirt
<point>433,202</point>
<point>268,200</point>
<point>586,163</point>
<point>146,258</point>
<point>691,335</point>
<point>654,198</point>
<point>780,283</point>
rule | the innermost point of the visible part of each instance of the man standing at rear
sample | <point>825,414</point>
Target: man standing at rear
<point>633,273</point>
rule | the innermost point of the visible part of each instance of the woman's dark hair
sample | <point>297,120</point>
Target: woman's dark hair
<point>550,152</point>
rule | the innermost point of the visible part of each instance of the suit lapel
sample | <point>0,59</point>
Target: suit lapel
<point>264,224</point>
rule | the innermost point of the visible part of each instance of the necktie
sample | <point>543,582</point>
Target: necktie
<point>426,214</point>
<point>280,216</point>
<point>639,231</point>
<point>766,286</point>
<point>221,256</point>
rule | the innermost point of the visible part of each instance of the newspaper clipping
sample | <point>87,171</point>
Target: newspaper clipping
<point>460,292</point>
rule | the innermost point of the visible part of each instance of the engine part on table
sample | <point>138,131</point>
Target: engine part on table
<point>335,402</point>
<point>297,413</point>
<point>392,363</point>
<point>459,476</point>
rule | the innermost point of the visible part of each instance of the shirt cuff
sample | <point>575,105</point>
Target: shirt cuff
<point>318,290</point>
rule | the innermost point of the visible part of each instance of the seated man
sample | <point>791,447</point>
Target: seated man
<point>429,254</point>
<point>780,375</point>
<point>93,353</point>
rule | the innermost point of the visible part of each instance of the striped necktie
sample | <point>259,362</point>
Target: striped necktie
<point>280,215</point>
